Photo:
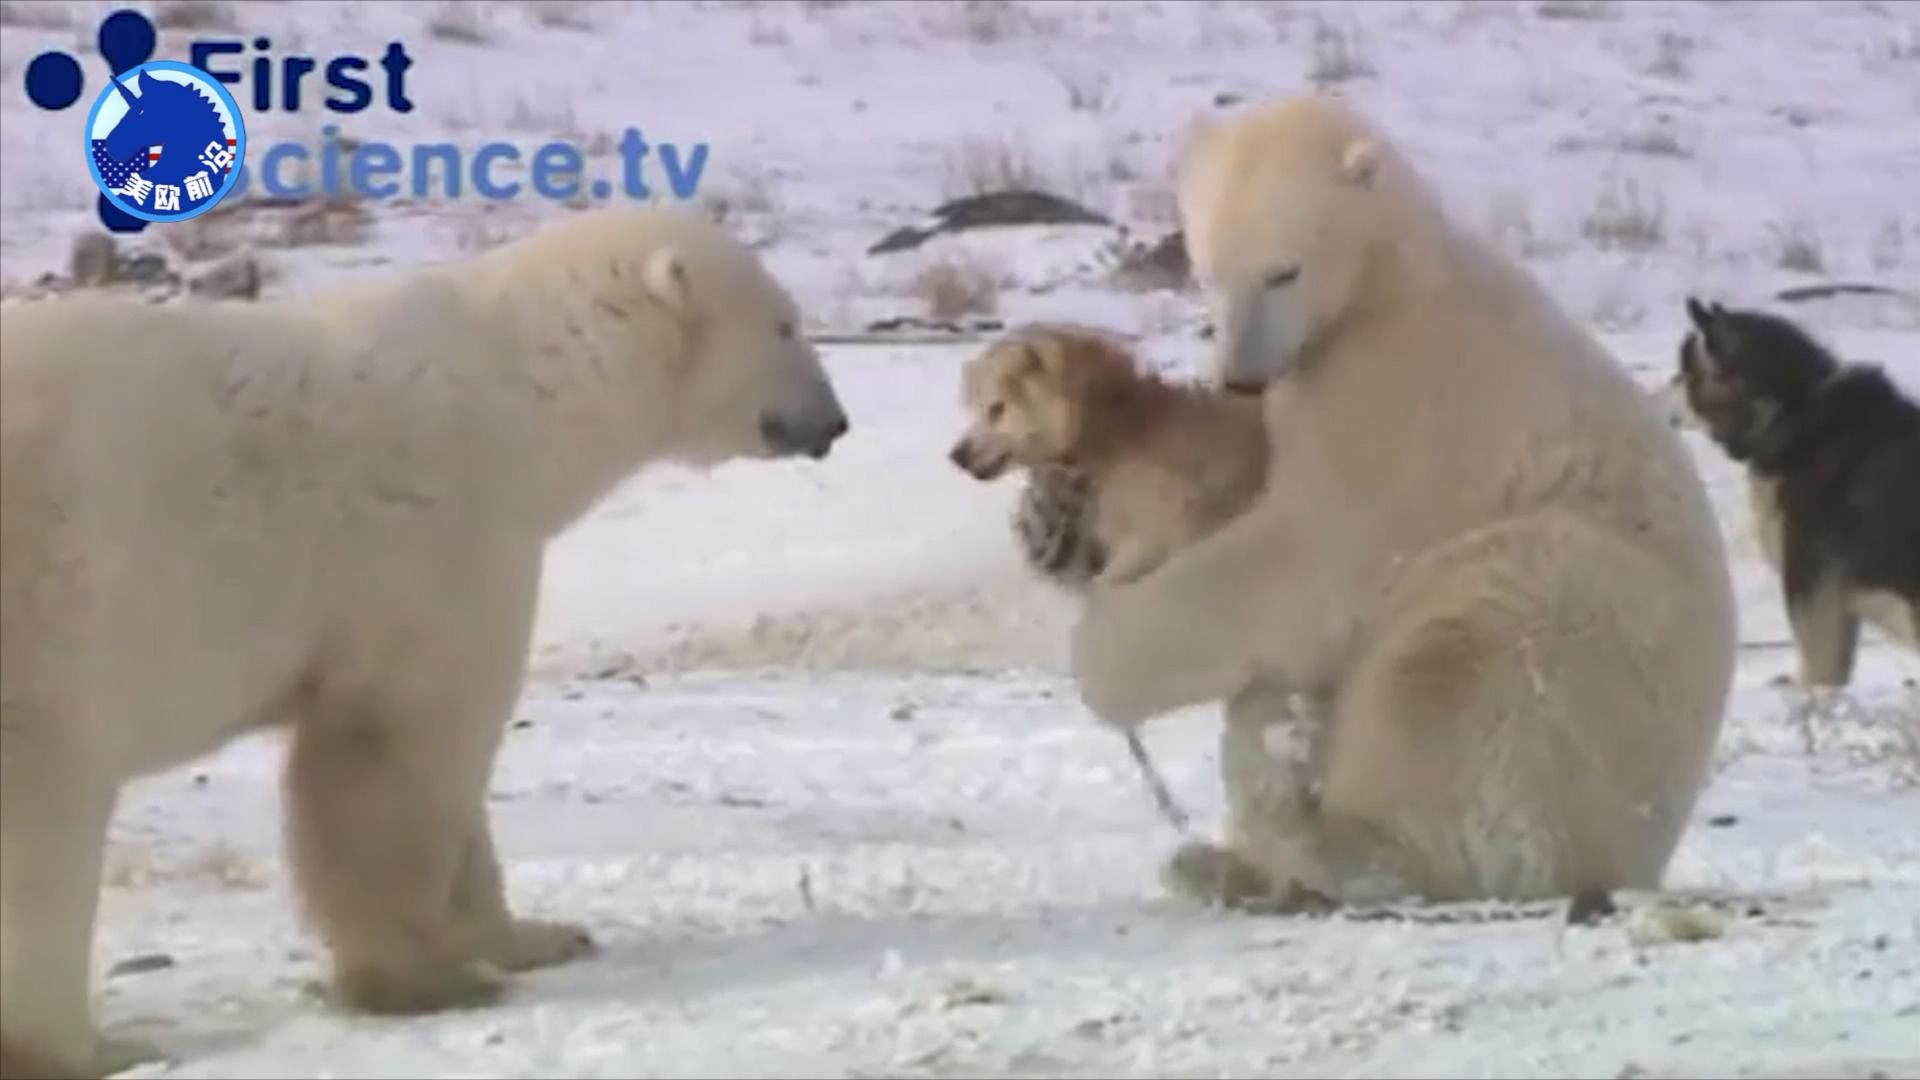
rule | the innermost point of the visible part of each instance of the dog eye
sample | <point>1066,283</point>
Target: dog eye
<point>1279,279</point>
<point>994,410</point>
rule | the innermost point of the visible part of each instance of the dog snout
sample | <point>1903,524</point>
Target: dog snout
<point>979,464</point>
<point>812,435</point>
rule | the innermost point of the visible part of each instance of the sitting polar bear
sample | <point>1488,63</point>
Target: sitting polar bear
<point>330,514</point>
<point>1479,552</point>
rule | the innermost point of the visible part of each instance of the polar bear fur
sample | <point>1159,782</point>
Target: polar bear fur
<point>329,514</point>
<point>1479,548</point>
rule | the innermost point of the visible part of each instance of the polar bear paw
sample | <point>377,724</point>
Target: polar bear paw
<point>385,990</point>
<point>1221,877</point>
<point>533,943</point>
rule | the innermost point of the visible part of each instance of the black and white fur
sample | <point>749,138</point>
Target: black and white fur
<point>1832,454</point>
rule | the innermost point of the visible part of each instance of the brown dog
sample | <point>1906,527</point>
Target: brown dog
<point>1164,464</point>
<point>1126,469</point>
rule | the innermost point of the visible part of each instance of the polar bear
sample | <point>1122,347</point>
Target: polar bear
<point>329,514</point>
<point>1479,551</point>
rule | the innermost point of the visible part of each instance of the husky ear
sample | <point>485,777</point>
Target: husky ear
<point>666,279</point>
<point>1701,314</point>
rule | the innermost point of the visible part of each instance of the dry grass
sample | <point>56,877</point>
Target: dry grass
<point>340,220</point>
<point>38,15</point>
<point>766,33</point>
<point>208,236</point>
<point>573,15</point>
<point>460,22</point>
<point>1156,204</point>
<point>978,166</point>
<point>1889,246</point>
<point>481,232</point>
<point>954,288</point>
<point>1575,10</point>
<point>1672,56</point>
<point>1903,744</point>
<point>1338,56</point>
<point>1510,224</point>
<point>1654,142</point>
<point>749,191</point>
<point>1615,310</point>
<point>1799,249</point>
<point>983,22</point>
<point>221,865</point>
<point>1088,89</point>
<point>549,118</point>
<point>1121,169</point>
<point>1898,49</point>
<point>194,15</point>
<point>1626,219</point>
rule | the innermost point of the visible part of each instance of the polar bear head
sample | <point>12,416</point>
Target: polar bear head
<point>753,384</point>
<point>686,320</point>
<point>749,382</point>
<point>1290,214</point>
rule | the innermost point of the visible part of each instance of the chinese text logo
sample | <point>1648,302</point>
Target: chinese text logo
<point>164,141</point>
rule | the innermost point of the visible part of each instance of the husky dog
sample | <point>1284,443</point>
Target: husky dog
<point>1832,455</point>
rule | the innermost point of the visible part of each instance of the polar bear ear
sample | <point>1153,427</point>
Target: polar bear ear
<point>666,279</point>
<point>1359,162</point>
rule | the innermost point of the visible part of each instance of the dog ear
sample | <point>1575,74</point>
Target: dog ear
<point>1701,314</point>
<point>1045,355</point>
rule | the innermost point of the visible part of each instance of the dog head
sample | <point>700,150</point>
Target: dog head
<point>1029,397</point>
<point>1741,371</point>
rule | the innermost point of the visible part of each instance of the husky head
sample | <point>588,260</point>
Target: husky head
<point>1742,371</point>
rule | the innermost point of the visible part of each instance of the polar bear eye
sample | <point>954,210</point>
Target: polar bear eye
<point>994,410</point>
<point>1281,278</point>
<point>785,330</point>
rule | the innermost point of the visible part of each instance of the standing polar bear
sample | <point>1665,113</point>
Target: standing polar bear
<point>330,514</point>
<point>1478,550</point>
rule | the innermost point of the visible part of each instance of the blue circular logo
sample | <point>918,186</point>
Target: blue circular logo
<point>164,141</point>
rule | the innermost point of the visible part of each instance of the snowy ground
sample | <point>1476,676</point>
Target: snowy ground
<point>791,727</point>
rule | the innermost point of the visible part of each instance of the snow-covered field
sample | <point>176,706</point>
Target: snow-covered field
<point>792,728</point>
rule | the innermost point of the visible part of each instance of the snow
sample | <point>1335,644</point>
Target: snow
<point>798,745</point>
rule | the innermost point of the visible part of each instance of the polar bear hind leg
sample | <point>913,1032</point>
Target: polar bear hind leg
<point>52,844</point>
<point>1521,728</point>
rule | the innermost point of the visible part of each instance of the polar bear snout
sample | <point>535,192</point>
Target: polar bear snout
<point>811,432</point>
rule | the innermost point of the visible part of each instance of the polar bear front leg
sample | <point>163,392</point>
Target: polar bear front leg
<point>494,934</point>
<point>379,810</point>
<point>387,800</point>
<point>54,810</point>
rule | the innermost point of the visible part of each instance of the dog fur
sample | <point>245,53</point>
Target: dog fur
<point>1832,456</point>
<point>1160,464</point>
<point>1125,469</point>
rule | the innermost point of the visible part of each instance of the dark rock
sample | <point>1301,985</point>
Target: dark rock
<point>993,209</point>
